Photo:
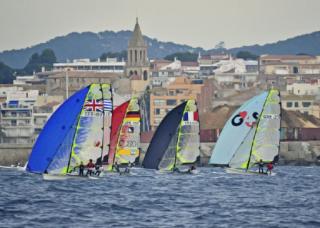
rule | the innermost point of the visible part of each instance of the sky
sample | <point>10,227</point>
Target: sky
<point>200,23</point>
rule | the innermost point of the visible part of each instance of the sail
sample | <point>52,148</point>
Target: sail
<point>89,136</point>
<point>162,144</point>
<point>236,129</point>
<point>188,145</point>
<point>266,142</point>
<point>128,144</point>
<point>56,133</point>
<point>117,117</point>
<point>242,154</point>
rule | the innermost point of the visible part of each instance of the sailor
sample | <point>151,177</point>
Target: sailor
<point>269,167</point>
<point>191,169</point>
<point>81,169</point>
<point>116,167</point>
<point>260,165</point>
<point>90,167</point>
<point>97,169</point>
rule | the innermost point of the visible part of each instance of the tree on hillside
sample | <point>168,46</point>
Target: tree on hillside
<point>182,56</point>
<point>6,74</point>
<point>36,61</point>
<point>246,55</point>
<point>119,55</point>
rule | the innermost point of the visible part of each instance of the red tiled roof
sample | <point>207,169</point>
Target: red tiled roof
<point>190,64</point>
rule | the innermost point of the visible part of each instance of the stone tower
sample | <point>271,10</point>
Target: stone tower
<point>138,65</point>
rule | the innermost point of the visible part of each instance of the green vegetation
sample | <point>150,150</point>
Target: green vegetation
<point>6,74</point>
<point>246,55</point>
<point>36,62</point>
<point>182,56</point>
<point>119,55</point>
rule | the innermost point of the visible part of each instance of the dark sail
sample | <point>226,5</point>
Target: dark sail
<point>162,137</point>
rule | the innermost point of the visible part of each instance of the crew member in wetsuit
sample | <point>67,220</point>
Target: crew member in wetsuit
<point>90,167</point>
<point>260,165</point>
<point>81,169</point>
<point>116,167</point>
<point>191,169</point>
<point>97,169</point>
<point>269,167</point>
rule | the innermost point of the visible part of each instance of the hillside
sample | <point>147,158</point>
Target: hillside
<point>91,45</point>
<point>307,43</point>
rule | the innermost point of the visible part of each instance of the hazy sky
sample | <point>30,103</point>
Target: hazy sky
<point>195,22</point>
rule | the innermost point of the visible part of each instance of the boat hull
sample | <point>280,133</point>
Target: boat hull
<point>245,172</point>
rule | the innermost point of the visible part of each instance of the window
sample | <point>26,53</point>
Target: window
<point>145,75</point>
<point>159,102</point>
<point>306,104</point>
<point>157,111</point>
<point>296,104</point>
<point>13,122</point>
<point>171,102</point>
<point>289,104</point>
<point>295,70</point>
<point>171,92</point>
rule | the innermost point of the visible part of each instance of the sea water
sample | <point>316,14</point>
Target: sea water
<point>146,198</point>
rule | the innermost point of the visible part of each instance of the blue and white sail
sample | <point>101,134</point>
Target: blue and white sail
<point>237,129</point>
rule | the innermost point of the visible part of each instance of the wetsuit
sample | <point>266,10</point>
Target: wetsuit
<point>260,164</point>
<point>81,168</point>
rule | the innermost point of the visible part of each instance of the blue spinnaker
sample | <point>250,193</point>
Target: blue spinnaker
<point>237,129</point>
<point>52,137</point>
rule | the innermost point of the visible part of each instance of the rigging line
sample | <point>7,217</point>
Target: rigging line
<point>103,124</point>
<point>74,136</point>
<point>121,126</point>
<point>179,133</point>
<point>254,136</point>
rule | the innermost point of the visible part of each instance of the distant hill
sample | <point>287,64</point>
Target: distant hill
<point>307,44</point>
<point>91,45</point>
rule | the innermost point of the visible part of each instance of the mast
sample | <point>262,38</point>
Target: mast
<point>254,136</point>
<point>103,125</point>
<point>179,133</point>
<point>74,135</point>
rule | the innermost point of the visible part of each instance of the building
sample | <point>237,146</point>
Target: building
<point>67,82</point>
<point>23,115</point>
<point>162,100</point>
<point>303,103</point>
<point>16,117</point>
<point>280,70</point>
<point>302,88</point>
<point>138,67</point>
<point>110,65</point>
<point>42,110</point>
<point>289,64</point>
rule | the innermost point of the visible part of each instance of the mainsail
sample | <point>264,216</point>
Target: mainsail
<point>176,141</point>
<point>236,129</point>
<point>128,144</point>
<point>78,131</point>
<point>261,141</point>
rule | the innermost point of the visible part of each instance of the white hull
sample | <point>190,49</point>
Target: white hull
<point>46,176</point>
<point>244,172</point>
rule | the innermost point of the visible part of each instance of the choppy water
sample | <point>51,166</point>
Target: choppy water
<point>145,199</point>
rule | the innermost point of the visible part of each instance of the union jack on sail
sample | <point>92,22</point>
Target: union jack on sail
<point>93,105</point>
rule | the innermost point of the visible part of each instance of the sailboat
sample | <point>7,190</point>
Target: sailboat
<point>251,135</point>
<point>125,136</point>
<point>79,130</point>
<point>176,142</point>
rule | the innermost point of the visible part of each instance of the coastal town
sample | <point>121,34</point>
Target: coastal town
<point>219,82</point>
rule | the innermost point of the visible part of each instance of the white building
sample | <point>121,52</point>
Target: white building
<point>111,65</point>
<point>304,88</point>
